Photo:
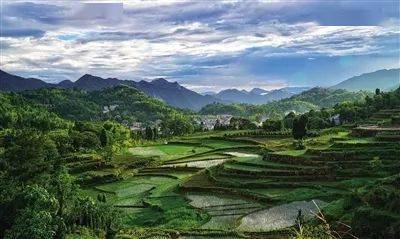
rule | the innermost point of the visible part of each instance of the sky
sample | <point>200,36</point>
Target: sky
<point>203,45</point>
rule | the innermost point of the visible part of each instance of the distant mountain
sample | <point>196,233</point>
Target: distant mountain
<point>258,95</point>
<point>170,92</point>
<point>259,91</point>
<point>277,95</point>
<point>295,90</point>
<point>240,96</point>
<point>208,93</point>
<point>174,94</point>
<point>382,79</point>
<point>13,83</point>
<point>92,83</point>
<point>65,84</point>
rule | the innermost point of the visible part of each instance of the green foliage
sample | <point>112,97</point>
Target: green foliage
<point>273,109</point>
<point>36,218</point>
<point>299,145</point>
<point>309,100</point>
<point>241,124</point>
<point>360,111</point>
<point>220,109</point>
<point>272,125</point>
<point>176,125</point>
<point>310,231</point>
<point>98,215</point>
<point>300,127</point>
<point>130,104</point>
<point>30,155</point>
<point>17,112</point>
<point>327,97</point>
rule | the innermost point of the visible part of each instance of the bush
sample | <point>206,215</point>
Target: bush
<point>299,144</point>
<point>371,223</point>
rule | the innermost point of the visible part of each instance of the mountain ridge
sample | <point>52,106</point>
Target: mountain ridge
<point>170,92</point>
<point>384,79</point>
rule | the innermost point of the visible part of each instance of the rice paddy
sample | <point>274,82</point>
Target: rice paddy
<point>280,217</point>
<point>212,185</point>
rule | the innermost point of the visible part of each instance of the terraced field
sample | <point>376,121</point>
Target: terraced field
<point>210,186</point>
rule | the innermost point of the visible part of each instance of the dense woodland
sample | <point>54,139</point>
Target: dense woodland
<point>42,131</point>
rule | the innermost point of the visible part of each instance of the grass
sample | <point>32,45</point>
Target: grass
<point>217,143</point>
<point>167,152</point>
<point>292,152</point>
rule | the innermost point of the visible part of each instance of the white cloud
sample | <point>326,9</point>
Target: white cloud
<point>140,43</point>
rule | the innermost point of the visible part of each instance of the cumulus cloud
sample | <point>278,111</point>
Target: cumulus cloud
<point>201,44</point>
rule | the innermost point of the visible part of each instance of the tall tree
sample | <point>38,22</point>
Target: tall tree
<point>299,130</point>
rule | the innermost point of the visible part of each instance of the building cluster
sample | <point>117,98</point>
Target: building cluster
<point>209,121</point>
<point>141,127</point>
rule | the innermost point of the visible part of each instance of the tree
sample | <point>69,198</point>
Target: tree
<point>241,123</point>
<point>377,91</point>
<point>149,135</point>
<point>299,130</point>
<point>36,217</point>
<point>288,120</point>
<point>85,140</point>
<point>272,125</point>
<point>155,132</point>
<point>30,155</point>
<point>103,137</point>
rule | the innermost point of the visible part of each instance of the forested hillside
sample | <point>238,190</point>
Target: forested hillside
<point>67,178</point>
<point>122,103</point>
<point>312,99</point>
<point>323,97</point>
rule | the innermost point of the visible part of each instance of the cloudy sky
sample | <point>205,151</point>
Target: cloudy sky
<point>204,45</point>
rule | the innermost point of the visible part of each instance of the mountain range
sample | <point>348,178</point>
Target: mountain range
<point>170,92</point>
<point>176,95</point>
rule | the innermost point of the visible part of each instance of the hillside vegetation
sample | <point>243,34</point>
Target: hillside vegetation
<point>63,178</point>
<point>312,99</point>
<point>130,104</point>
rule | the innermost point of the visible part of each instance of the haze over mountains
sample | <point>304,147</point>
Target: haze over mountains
<point>257,95</point>
<point>178,96</point>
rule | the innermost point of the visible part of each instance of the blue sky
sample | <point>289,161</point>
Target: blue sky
<point>204,45</point>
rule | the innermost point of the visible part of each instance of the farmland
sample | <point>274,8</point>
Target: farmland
<point>216,185</point>
<point>99,179</point>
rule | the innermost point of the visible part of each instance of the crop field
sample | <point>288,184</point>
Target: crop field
<point>198,164</point>
<point>167,152</point>
<point>211,185</point>
<point>279,217</point>
<point>224,211</point>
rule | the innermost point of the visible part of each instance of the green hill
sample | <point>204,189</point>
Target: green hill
<point>121,103</point>
<point>308,100</point>
<point>323,97</point>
